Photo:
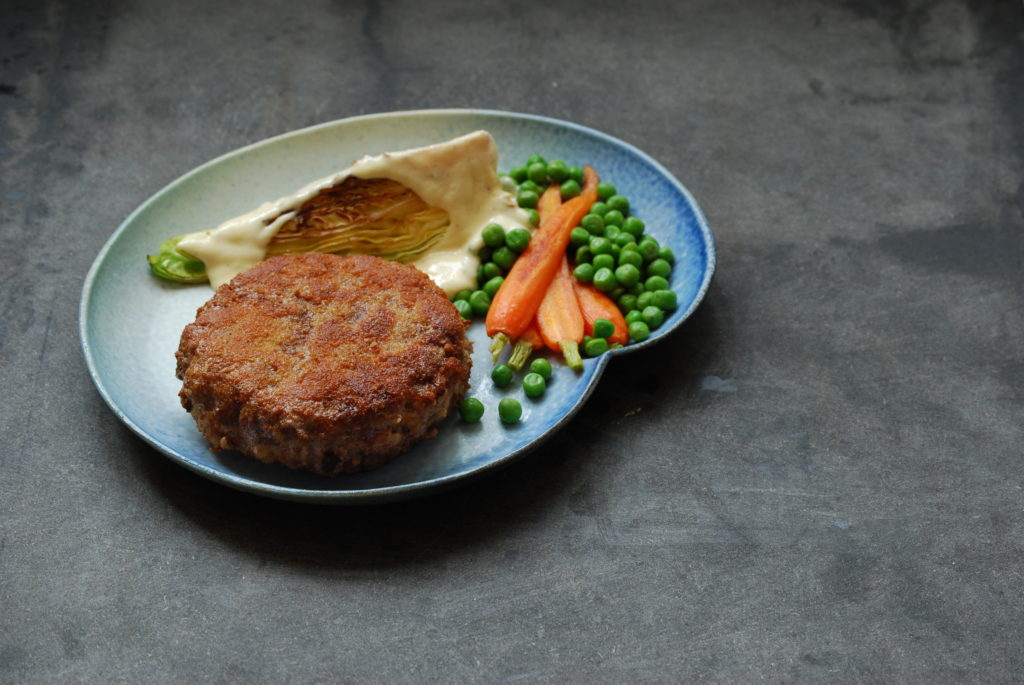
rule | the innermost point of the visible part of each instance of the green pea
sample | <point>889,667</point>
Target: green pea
<point>604,280</point>
<point>664,299</point>
<point>557,171</point>
<point>616,250</point>
<point>634,315</point>
<point>619,202</point>
<point>631,257</point>
<point>533,217</point>
<point>538,173</point>
<point>613,217</point>
<point>638,289</point>
<point>484,253</point>
<point>634,226</point>
<point>599,208</point>
<point>612,232</point>
<point>570,189</point>
<point>530,185</point>
<point>534,385</point>
<point>542,366</point>
<point>648,249</point>
<point>627,274</point>
<point>480,302</point>
<point>535,158</point>
<point>576,174</point>
<point>518,174</point>
<point>659,267</point>
<point>603,328</point>
<point>509,410</point>
<point>666,254</point>
<point>643,300</point>
<point>517,239</point>
<point>464,308</point>
<point>605,190</point>
<point>462,295</point>
<point>579,236</point>
<point>504,257</point>
<point>624,240</point>
<point>617,292</point>
<point>491,286</point>
<point>583,255</point>
<point>604,261</point>
<point>501,375</point>
<point>471,410</point>
<point>527,198</point>
<point>494,235</point>
<point>595,346</point>
<point>480,273</point>
<point>626,303</point>
<point>584,272</point>
<point>490,271</point>
<point>600,245</point>
<point>653,317</point>
<point>656,283</point>
<point>639,331</point>
<point>593,223</point>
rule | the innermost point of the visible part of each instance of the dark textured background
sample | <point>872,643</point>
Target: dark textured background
<point>818,478</point>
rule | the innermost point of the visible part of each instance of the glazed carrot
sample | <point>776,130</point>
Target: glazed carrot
<point>595,305</point>
<point>517,301</point>
<point>559,319</point>
<point>529,341</point>
<point>550,200</point>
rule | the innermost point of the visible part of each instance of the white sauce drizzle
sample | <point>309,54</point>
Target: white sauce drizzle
<point>458,176</point>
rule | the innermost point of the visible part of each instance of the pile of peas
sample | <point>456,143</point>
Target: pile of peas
<point>609,249</point>
<point>537,174</point>
<point>499,253</point>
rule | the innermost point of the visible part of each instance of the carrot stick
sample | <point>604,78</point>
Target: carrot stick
<point>517,301</point>
<point>595,305</point>
<point>559,320</point>
<point>529,341</point>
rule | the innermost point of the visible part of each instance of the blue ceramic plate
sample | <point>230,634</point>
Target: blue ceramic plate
<point>131,321</point>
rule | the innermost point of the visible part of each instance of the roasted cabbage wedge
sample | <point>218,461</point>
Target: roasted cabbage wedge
<point>374,216</point>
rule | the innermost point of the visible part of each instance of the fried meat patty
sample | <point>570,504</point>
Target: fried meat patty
<point>325,363</point>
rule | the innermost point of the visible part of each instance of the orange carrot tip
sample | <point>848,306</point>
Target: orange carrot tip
<point>571,352</point>
<point>520,355</point>
<point>498,343</point>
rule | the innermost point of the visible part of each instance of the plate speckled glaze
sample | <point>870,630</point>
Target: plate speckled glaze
<point>131,322</point>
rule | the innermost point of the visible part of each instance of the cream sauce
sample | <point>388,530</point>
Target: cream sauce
<point>458,176</point>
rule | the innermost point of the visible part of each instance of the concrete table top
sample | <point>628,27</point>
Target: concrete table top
<point>818,478</point>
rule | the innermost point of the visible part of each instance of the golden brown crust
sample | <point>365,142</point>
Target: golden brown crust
<point>326,363</point>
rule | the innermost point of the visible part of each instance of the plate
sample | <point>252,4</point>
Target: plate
<point>130,322</point>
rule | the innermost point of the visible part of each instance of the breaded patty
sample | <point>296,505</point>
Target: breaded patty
<point>325,363</point>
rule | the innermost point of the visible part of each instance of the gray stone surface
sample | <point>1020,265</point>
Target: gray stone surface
<point>817,479</point>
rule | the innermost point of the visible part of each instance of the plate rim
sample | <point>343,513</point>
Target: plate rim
<point>422,487</point>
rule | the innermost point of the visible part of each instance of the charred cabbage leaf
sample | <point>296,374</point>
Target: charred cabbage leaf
<point>376,216</point>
